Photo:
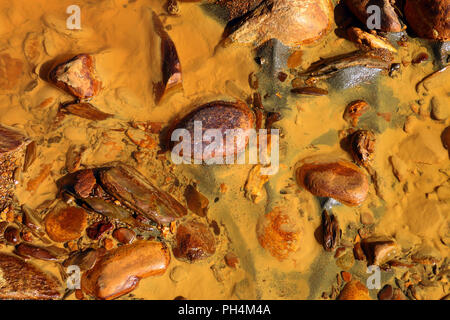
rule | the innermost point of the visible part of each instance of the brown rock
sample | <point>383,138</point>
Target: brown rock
<point>354,290</point>
<point>77,76</point>
<point>358,252</point>
<point>85,183</point>
<point>21,280</point>
<point>196,201</point>
<point>118,272</point>
<point>355,110</point>
<point>386,293</point>
<point>446,138</point>
<point>231,260</point>
<point>65,224</point>
<point>195,241</point>
<point>98,229</point>
<point>12,235</point>
<point>340,180</point>
<point>379,251</point>
<point>219,115</point>
<point>279,233</point>
<point>84,110</point>
<point>124,235</point>
<point>12,148</point>
<point>389,19</point>
<point>85,259</point>
<point>27,250</point>
<point>238,8</point>
<point>429,18</point>
<point>293,22</point>
<point>367,218</point>
<point>346,276</point>
<point>362,144</point>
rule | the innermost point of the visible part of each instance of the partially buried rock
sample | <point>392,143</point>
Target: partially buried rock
<point>219,115</point>
<point>21,280</point>
<point>339,179</point>
<point>130,186</point>
<point>379,250</point>
<point>84,110</point>
<point>389,19</point>
<point>118,272</point>
<point>293,22</point>
<point>279,233</point>
<point>124,235</point>
<point>362,143</point>
<point>429,18</point>
<point>85,183</point>
<point>196,201</point>
<point>12,145</point>
<point>194,241</point>
<point>77,76</point>
<point>354,290</point>
<point>446,138</point>
<point>98,229</point>
<point>65,224</point>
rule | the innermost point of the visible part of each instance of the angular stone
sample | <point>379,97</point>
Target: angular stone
<point>195,241</point>
<point>429,18</point>
<point>379,251</point>
<point>77,76</point>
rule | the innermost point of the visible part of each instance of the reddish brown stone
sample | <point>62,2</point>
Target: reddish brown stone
<point>98,229</point>
<point>65,224</point>
<point>195,241</point>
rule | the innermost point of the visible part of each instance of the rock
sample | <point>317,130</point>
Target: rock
<point>427,255</point>
<point>12,235</point>
<point>354,290</point>
<point>124,235</point>
<point>346,276</point>
<point>98,229</point>
<point>439,110</point>
<point>379,251</point>
<point>73,157</point>
<point>196,201</point>
<point>118,272</point>
<point>27,251</point>
<point>65,224</point>
<point>231,260</point>
<point>84,110</point>
<point>358,252</point>
<point>367,218</point>
<point>12,146</point>
<point>293,22</point>
<point>446,138</point>
<point>386,293</point>
<point>362,144</point>
<point>389,19</point>
<point>194,241</point>
<point>429,18</point>
<point>340,180</point>
<point>85,259</point>
<point>85,183</point>
<point>279,233</point>
<point>77,76</point>
<point>21,280</point>
<point>178,274</point>
<point>141,138</point>
<point>238,8</point>
<point>219,115</point>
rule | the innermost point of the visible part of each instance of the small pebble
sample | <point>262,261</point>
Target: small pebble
<point>386,293</point>
<point>346,276</point>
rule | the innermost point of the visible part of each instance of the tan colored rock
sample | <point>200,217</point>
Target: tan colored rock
<point>340,179</point>
<point>293,22</point>
<point>118,272</point>
<point>354,290</point>
<point>379,251</point>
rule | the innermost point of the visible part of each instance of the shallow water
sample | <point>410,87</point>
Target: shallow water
<point>120,34</point>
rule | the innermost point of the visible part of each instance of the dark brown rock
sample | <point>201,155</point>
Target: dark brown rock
<point>85,183</point>
<point>22,280</point>
<point>386,293</point>
<point>429,18</point>
<point>195,241</point>
<point>12,235</point>
<point>389,18</point>
<point>98,229</point>
<point>124,235</point>
<point>379,250</point>
<point>27,250</point>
